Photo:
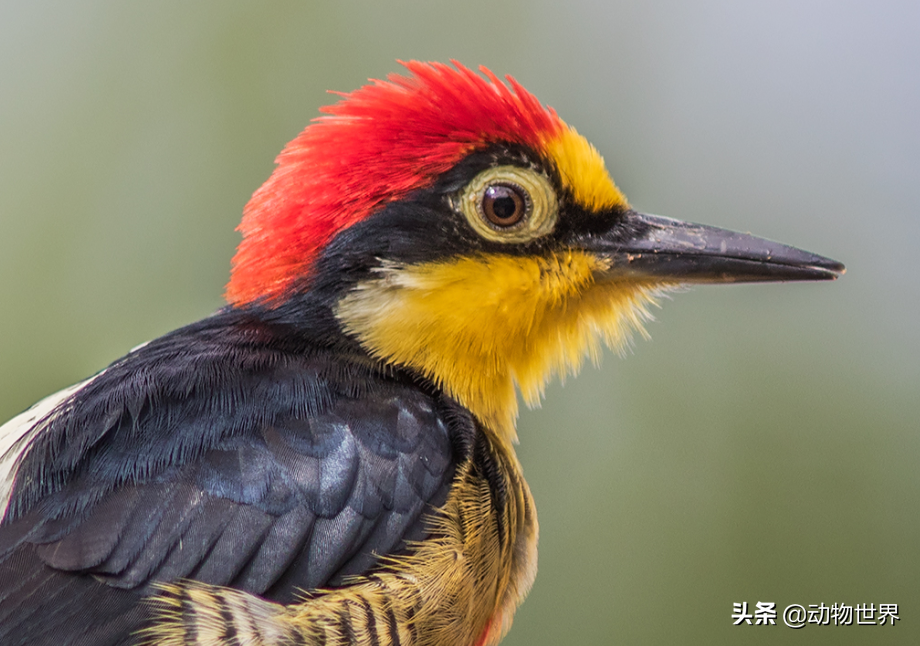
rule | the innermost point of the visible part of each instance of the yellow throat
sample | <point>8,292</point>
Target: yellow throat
<point>478,325</point>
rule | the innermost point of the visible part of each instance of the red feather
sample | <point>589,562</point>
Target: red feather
<point>375,146</point>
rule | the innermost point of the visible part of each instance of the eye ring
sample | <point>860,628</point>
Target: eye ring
<point>482,203</point>
<point>505,204</point>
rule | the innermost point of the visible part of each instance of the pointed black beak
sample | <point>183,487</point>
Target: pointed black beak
<point>666,250</point>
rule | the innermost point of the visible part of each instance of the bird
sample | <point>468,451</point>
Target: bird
<point>330,457</point>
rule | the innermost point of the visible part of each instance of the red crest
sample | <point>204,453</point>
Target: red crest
<point>375,146</point>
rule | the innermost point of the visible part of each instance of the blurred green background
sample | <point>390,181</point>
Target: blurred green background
<point>762,447</point>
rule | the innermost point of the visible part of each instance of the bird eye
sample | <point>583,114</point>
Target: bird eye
<point>509,204</point>
<point>504,205</point>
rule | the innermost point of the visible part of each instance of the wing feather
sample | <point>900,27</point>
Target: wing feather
<point>207,455</point>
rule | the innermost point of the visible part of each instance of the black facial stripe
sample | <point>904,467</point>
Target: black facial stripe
<point>574,220</point>
<point>424,227</point>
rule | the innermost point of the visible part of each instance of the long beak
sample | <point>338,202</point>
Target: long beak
<point>666,250</point>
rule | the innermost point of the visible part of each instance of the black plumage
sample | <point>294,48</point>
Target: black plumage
<point>231,451</point>
<point>260,448</point>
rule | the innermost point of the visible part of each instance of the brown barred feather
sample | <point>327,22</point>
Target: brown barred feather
<point>459,587</point>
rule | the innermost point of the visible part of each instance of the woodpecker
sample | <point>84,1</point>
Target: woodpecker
<point>329,459</point>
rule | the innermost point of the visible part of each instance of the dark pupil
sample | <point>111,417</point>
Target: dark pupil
<point>503,205</point>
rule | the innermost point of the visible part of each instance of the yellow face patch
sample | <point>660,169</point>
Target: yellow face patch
<point>478,325</point>
<point>583,171</point>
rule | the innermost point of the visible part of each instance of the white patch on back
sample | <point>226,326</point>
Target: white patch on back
<point>18,434</point>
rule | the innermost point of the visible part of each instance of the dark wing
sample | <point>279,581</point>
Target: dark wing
<point>279,472</point>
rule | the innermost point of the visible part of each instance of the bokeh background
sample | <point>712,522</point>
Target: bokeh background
<point>762,447</point>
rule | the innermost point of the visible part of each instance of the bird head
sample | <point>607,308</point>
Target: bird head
<point>459,229</point>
